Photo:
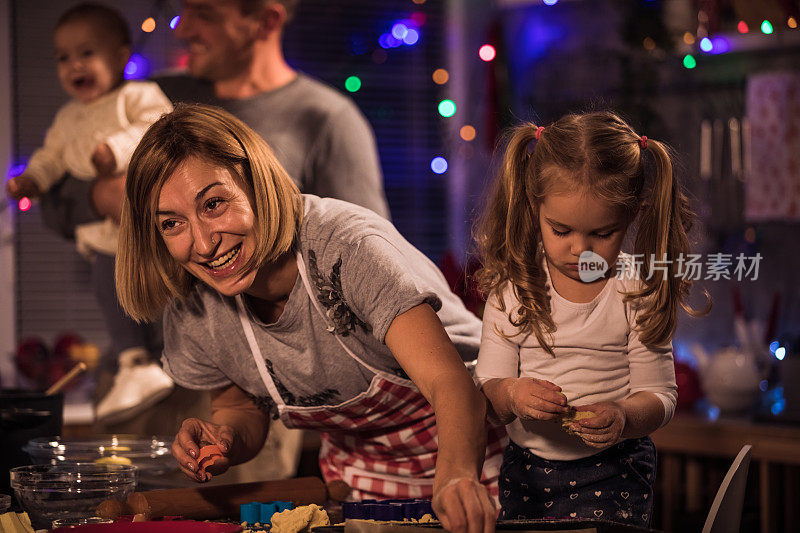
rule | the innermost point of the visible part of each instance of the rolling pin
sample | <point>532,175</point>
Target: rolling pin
<point>221,501</point>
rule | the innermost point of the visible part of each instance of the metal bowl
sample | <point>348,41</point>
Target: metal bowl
<point>69,490</point>
<point>151,455</point>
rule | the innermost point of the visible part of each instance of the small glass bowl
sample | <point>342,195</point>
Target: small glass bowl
<point>151,455</point>
<point>69,491</point>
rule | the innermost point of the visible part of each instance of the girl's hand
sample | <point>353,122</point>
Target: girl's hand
<point>536,399</point>
<point>103,160</point>
<point>463,505</point>
<point>194,434</point>
<point>21,186</point>
<point>605,428</point>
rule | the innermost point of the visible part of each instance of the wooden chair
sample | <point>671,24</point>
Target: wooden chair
<point>726,511</point>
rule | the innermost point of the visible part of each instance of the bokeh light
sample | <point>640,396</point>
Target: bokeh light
<point>174,22</point>
<point>550,2</point>
<point>487,52</point>
<point>742,27</point>
<point>766,27</point>
<point>352,84</point>
<point>792,23</point>
<point>439,165</point>
<point>440,76</point>
<point>447,108</point>
<point>399,31</point>
<point>25,203</point>
<point>467,132</point>
<point>649,44</point>
<point>412,36</point>
<point>137,68</point>
<point>689,61</point>
<point>706,45</point>
<point>688,38</point>
<point>149,25</point>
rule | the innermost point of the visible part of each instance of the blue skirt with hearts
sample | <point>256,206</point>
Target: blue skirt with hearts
<point>615,484</point>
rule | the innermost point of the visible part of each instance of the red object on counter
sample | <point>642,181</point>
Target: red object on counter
<point>689,388</point>
<point>208,456</point>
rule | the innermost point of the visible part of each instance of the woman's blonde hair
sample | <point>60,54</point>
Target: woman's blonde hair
<point>599,153</point>
<point>146,274</point>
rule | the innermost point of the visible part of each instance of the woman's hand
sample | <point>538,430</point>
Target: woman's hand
<point>194,434</point>
<point>464,505</point>
<point>605,428</point>
<point>535,399</point>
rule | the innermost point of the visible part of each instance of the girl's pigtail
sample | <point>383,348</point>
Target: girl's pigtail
<point>508,240</point>
<point>662,240</point>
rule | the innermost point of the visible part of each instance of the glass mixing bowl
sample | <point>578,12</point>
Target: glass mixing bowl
<point>151,455</point>
<point>69,490</point>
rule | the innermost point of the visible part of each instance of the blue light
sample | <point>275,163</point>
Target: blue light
<point>720,45</point>
<point>774,345</point>
<point>706,45</point>
<point>16,170</point>
<point>399,31</point>
<point>383,40</point>
<point>137,68</point>
<point>778,407</point>
<point>713,412</point>
<point>439,165</point>
<point>780,353</point>
<point>763,385</point>
<point>411,38</point>
<point>550,2</point>
<point>174,22</point>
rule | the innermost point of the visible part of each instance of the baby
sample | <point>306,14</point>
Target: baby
<point>93,137</point>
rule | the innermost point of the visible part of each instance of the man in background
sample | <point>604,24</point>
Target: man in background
<point>236,61</point>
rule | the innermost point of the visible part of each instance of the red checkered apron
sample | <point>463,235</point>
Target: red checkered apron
<point>383,442</point>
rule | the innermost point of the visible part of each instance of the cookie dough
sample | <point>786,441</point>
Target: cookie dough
<point>299,520</point>
<point>574,416</point>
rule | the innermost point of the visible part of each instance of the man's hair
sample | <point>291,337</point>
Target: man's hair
<point>103,18</point>
<point>251,6</point>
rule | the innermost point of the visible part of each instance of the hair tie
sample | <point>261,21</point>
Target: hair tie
<point>643,142</point>
<point>539,131</point>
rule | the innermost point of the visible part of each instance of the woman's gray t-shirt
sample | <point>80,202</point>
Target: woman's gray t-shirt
<point>368,274</point>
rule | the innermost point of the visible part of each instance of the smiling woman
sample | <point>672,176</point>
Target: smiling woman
<point>311,310</point>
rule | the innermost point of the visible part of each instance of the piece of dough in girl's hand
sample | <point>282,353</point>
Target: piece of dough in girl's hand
<point>208,456</point>
<point>574,416</point>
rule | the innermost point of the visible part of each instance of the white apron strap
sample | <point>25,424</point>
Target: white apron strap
<point>256,352</point>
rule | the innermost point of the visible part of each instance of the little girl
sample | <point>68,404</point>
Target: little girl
<point>578,363</point>
<point>92,137</point>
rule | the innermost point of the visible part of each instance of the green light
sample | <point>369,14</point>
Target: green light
<point>766,27</point>
<point>447,108</point>
<point>352,84</point>
<point>689,61</point>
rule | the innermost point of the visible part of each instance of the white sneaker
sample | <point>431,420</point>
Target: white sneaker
<point>137,387</point>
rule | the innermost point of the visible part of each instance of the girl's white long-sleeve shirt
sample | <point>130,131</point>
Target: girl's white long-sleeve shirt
<point>118,118</point>
<point>598,357</point>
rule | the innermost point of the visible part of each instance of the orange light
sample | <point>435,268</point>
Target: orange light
<point>688,38</point>
<point>149,25</point>
<point>440,76</point>
<point>649,43</point>
<point>792,23</point>
<point>467,132</point>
